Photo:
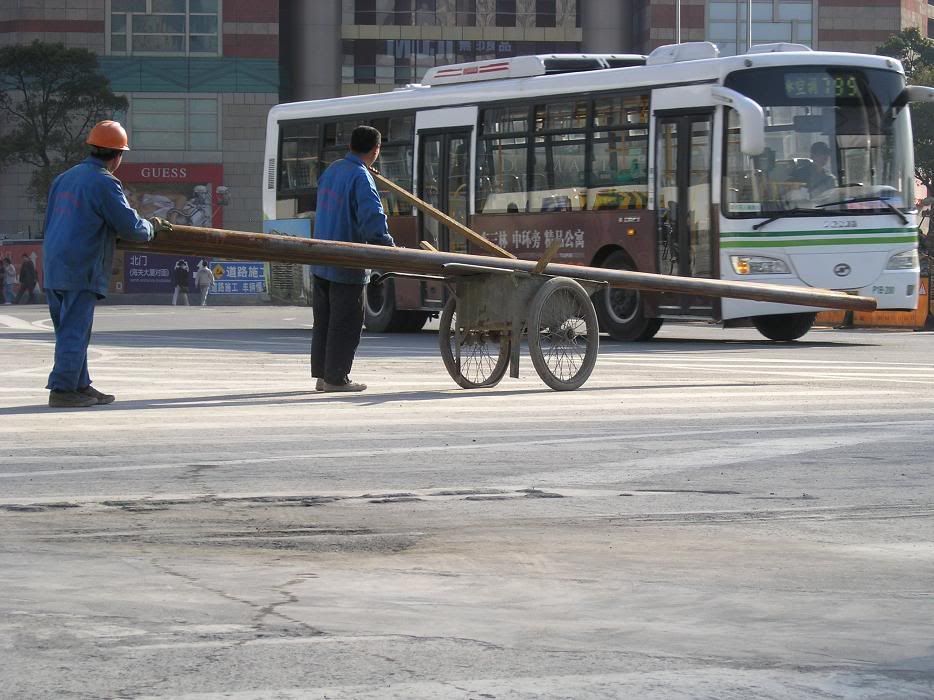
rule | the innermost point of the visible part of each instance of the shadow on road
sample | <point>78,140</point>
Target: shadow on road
<point>296,341</point>
<point>280,398</point>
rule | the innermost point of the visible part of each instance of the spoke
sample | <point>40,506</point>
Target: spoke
<point>479,354</point>
<point>563,333</point>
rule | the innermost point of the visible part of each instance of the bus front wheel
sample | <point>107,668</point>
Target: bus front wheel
<point>620,311</point>
<point>784,326</point>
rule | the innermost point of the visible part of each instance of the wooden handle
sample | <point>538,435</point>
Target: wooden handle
<point>442,218</point>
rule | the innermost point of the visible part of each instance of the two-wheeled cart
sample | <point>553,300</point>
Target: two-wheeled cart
<point>488,312</point>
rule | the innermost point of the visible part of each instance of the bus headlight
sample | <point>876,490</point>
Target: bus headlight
<point>903,261</point>
<point>758,265</point>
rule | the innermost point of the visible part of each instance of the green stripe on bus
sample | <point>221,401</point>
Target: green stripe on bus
<point>820,241</point>
<point>820,232</point>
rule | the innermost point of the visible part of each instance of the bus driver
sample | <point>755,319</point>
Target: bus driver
<point>815,174</point>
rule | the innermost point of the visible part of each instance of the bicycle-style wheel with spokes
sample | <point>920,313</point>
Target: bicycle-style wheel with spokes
<point>563,334</point>
<point>483,356</point>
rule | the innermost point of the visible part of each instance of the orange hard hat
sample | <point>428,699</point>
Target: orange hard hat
<point>108,134</point>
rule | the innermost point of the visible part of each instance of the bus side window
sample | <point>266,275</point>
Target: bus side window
<point>503,177</point>
<point>395,163</point>
<point>619,170</point>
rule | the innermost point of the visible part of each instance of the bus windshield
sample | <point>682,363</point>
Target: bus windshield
<point>837,139</point>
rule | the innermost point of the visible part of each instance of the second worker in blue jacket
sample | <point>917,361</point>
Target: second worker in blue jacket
<point>349,209</point>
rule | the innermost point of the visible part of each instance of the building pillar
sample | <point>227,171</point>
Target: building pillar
<point>606,26</point>
<point>312,50</point>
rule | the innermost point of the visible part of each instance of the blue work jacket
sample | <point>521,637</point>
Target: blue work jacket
<point>87,213</point>
<point>349,209</point>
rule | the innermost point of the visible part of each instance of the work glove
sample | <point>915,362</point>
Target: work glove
<point>159,225</point>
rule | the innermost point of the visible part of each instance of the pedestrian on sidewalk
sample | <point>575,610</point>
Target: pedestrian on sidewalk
<point>349,209</point>
<point>27,280</point>
<point>87,211</point>
<point>180,277</point>
<point>204,278</point>
<point>9,280</point>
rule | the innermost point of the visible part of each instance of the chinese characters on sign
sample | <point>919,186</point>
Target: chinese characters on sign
<point>239,277</point>
<point>152,273</point>
<point>533,239</point>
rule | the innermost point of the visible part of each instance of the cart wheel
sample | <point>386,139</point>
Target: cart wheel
<point>484,355</point>
<point>563,334</point>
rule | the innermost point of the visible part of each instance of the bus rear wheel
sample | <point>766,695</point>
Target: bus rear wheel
<point>620,311</point>
<point>380,314</point>
<point>784,327</point>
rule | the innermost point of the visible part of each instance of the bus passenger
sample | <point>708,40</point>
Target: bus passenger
<point>349,210</point>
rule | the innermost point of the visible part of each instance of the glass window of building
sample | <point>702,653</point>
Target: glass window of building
<point>505,13</point>
<point>402,13</point>
<point>546,13</point>
<point>782,20</point>
<point>173,123</point>
<point>403,61</point>
<point>465,13</point>
<point>364,12</point>
<point>165,27</point>
<point>426,13</point>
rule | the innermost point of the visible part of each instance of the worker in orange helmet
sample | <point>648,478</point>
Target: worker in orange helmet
<point>87,211</point>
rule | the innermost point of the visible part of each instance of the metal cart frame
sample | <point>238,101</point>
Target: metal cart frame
<point>489,310</point>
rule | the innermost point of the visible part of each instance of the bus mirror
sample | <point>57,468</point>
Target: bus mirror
<point>751,118</point>
<point>918,93</point>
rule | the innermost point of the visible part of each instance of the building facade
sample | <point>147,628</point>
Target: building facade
<point>348,47</point>
<point>199,75</point>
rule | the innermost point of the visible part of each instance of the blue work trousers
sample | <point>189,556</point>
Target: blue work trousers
<point>72,316</point>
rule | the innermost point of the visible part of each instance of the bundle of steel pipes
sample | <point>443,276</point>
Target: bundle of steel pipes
<point>238,245</point>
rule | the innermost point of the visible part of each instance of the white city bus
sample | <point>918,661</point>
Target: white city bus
<point>681,162</point>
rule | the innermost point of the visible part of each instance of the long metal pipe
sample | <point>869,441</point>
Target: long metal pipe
<point>238,245</point>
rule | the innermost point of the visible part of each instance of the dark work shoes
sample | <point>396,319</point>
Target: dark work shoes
<point>346,385</point>
<point>102,398</point>
<point>70,399</point>
<point>82,398</point>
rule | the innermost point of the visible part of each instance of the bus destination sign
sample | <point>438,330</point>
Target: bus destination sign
<point>821,85</point>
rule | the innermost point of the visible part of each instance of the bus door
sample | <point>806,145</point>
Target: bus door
<point>444,171</point>
<point>683,142</point>
<point>444,152</point>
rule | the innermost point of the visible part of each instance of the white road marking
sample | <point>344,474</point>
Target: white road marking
<point>16,323</point>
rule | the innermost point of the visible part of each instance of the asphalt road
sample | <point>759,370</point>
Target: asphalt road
<point>711,516</point>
